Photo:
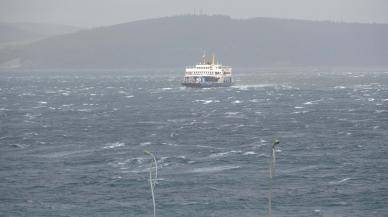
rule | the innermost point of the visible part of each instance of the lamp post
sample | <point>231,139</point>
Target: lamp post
<point>271,174</point>
<point>153,180</point>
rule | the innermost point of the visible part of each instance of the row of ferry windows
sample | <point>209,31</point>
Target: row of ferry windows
<point>205,73</point>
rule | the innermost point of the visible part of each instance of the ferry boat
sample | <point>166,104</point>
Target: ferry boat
<point>208,74</point>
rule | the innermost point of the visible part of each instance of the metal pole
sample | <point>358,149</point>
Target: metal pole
<point>271,174</point>
<point>153,180</point>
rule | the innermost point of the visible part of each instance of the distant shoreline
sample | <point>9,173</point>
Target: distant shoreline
<point>180,70</point>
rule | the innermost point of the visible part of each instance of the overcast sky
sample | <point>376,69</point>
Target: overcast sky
<point>88,13</point>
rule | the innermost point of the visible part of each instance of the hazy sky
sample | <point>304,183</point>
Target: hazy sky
<point>105,12</point>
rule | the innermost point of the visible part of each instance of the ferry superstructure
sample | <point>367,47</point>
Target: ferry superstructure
<point>208,74</point>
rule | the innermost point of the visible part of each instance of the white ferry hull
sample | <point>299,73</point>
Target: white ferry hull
<point>206,85</point>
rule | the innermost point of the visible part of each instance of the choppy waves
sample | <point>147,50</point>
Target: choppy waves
<point>74,146</point>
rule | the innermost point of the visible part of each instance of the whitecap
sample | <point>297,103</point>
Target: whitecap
<point>255,100</point>
<point>236,102</point>
<point>166,161</point>
<point>170,144</point>
<point>217,155</point>
<point>231,113</point>
<point>204,101</point>
<point>342,203</point>
<point>298,107</point>
<point>113,145</point>
<point>43,102</point>
<point>214,169</point>
<point>84,110</point>
<point>263,155</point>
<point>145,170</point>
<point>145,143</point>
<point>129,96</point>
<point>249,153</point>
<point>246,87</point>
<point>30,116</point>
<point>27,94</point>
<point>63,154</point>
<point>21,146</point>
<point>257,145</point>
<point>136,160</point>
<point>204,146</point>
<point>300,112</point>
<point>339,182</point>
<point>221,154</point>
<point>312,102</point>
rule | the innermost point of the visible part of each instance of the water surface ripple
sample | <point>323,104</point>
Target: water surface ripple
<point>71,144</point>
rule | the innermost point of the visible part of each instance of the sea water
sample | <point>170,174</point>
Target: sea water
<point>72,144</point>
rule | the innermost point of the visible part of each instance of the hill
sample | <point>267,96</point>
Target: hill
<point>14,33</point>
<point>11,34</point>
<point>181,40</point>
